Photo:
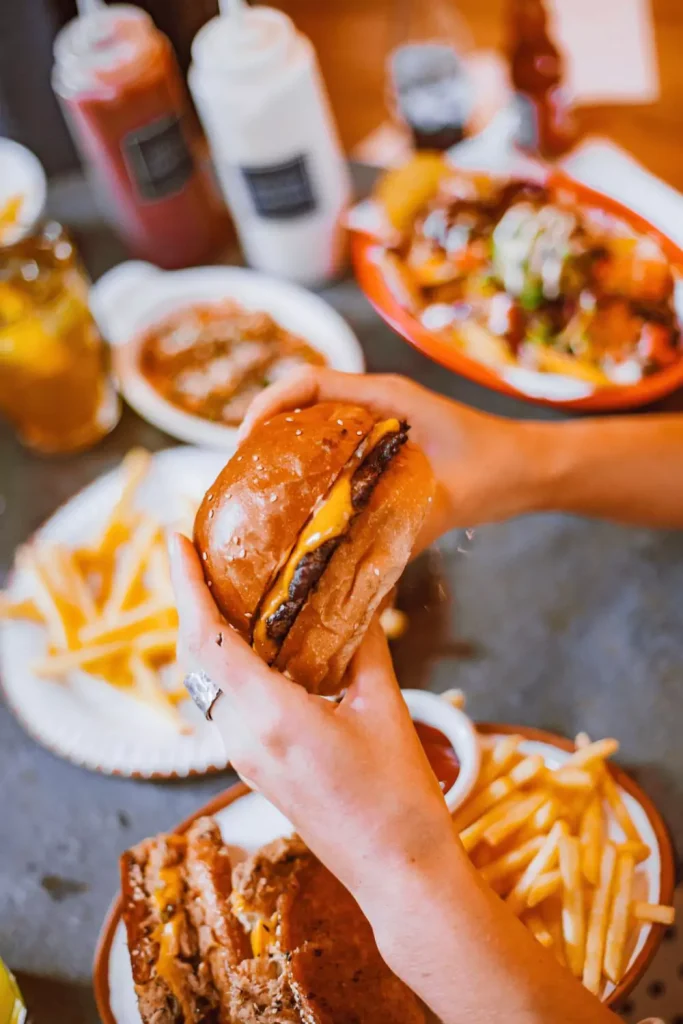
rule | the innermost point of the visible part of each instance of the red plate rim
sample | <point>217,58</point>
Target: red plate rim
<point>372,283</point>
<point>627,983</point>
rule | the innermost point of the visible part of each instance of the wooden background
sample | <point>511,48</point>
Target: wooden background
<point>353,38</point>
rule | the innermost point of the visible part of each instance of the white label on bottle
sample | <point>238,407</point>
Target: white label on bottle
<point>281,191</point>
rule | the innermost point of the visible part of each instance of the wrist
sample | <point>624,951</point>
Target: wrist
<point>518,469</point>
<point>405,882</point>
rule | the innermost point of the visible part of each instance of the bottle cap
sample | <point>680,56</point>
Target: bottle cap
<point>99,39</point>
<point>243,40</point>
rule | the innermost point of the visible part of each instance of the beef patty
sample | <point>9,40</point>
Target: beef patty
<point>312,565</point>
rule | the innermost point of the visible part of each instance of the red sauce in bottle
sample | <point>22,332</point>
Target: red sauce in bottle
<point>537,74</point>
<point>122,92</point>
<point>440,754</point>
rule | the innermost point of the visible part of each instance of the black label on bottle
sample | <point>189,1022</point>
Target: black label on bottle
<point>281,191</point>
<point>159,158</point>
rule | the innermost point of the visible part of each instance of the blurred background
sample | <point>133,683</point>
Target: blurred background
<point>353,39</point>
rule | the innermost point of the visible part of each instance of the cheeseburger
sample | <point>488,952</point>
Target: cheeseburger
<point>307,529</point>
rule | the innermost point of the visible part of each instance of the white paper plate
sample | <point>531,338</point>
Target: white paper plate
<point>133,296</point>
<point>21,173</point>
<point>84,720</point>
<point>250,821</point>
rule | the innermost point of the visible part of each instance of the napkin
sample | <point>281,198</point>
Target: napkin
<point>609,49</point>
<point>609,169</point>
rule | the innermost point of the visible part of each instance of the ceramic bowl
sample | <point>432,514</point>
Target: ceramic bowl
<point>134,296</point>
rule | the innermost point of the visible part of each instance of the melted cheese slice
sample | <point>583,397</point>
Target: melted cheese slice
<point>169,892</point>
<point>263,935</point>
<point>328,521</point>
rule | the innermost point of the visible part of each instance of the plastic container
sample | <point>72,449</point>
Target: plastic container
<point>256,84</point>
<point>124,99</point>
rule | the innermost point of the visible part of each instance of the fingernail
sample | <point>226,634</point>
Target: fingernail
<point>173,545</point>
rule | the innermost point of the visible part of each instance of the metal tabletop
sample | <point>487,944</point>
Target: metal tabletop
<point>552,621</point>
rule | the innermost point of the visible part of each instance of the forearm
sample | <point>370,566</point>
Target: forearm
<point>459,948</point>
<point>627,469</point>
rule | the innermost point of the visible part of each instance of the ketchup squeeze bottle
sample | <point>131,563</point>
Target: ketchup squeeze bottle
<point>125,102</point>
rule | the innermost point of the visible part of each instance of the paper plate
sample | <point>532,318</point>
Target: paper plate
<point>21,174</point>
<point>546,389</point>
<point>133,296</point>
<point>247,821</point>
<point>84,720</point>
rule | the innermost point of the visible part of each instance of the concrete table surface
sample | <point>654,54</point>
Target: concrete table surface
<point>552,621</point>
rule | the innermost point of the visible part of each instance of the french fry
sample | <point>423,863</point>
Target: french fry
<point>597,922</point>
<point>159,645</point>
<point>501,758</point>
<point>134,468</point>
<point>573,908</point>
<point>545,885</point>
<point>550,912</point>
<point>511,861</point>
<point>131,567</point>
<point>544,817</point>
<point>127,626</point>
<point>483,801</point>
<point>582,739</point>
<point>611,794</point>
<point>474,833</point>
<point>512,821</point>
<point>572,778</point>
<point>544,859</point>
<point>591,836</point>
<point>492,794</point>
<point>654,913</point>
<point>591,754</point>
<point>454,697</point>
<point>158,576</point>
<point>537,927</point>
<point>66,578</point>
<point>617,929</point>
<point>638,850</point>
<point>56,666</point>
<point>25,609</point>
<point>148,689</point>
<point>61,625</point>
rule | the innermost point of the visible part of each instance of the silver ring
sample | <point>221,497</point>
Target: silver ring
<point>203,691</point>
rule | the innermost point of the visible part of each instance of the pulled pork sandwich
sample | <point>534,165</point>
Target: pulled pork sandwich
<point>278,940</point>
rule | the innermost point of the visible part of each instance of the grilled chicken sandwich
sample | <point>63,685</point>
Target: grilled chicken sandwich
<point>306,531</point>
<point>287,944</point>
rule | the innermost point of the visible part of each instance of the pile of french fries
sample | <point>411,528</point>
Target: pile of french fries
<point>108,607</point>
<point>539,837</point>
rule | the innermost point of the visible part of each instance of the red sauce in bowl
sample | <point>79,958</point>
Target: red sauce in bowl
<point>440,754</point>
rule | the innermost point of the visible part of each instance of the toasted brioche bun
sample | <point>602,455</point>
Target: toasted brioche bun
<point>363,570</point>
<point>252,515</point>
<point>250,520</point>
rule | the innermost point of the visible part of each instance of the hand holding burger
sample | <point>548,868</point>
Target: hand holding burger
<point>306,531</point>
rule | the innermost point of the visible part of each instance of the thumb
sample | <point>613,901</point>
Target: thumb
<point>371,679</point>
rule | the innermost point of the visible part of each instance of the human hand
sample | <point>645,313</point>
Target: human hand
<point>484,465</point>
<point>355,783</point>
<point>351,777</point>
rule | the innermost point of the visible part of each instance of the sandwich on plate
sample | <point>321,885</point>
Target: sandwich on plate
<point>275,941</point>
<point>306,531</point>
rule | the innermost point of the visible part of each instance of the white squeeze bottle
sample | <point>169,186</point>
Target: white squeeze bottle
<point>258,89</point>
